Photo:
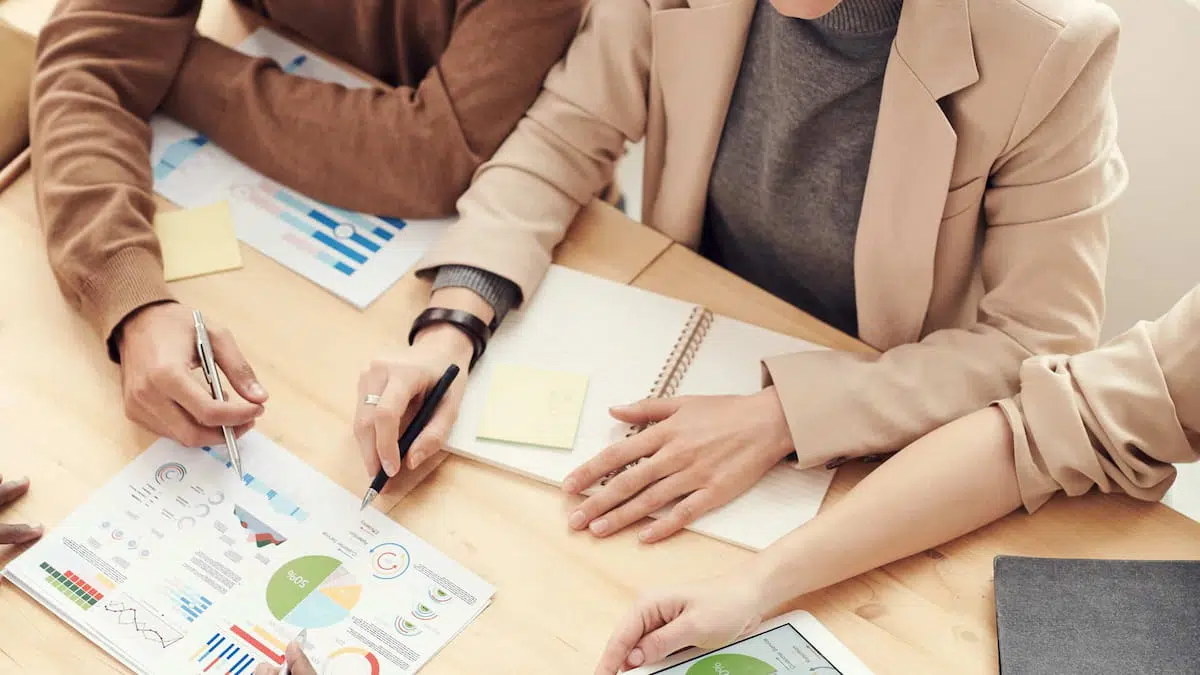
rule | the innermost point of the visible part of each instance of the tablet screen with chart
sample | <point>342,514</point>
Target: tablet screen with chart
<point>776,651</point>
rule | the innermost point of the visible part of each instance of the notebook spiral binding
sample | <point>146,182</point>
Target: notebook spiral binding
<point>674,368</point>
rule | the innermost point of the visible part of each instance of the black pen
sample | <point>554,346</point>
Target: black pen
<point>414,429</point>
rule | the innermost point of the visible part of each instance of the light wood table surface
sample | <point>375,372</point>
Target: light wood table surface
<point>559,593</point>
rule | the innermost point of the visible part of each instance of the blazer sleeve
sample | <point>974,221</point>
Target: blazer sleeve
<point>1042,264</point>
<point>560,155</point>
<point>1116,418</point>
<point>407,152</point>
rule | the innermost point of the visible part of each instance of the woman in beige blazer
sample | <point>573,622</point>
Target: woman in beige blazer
<point>976,238</point>
<point>1116,418</point>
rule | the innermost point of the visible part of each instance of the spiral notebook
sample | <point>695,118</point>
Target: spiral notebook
<point>630,344</point>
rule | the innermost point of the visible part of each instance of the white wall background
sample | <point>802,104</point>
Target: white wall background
<point>1156,225</point>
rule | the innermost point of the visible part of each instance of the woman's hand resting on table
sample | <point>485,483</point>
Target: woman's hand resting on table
<point>706,450</point>
<point>11,491</point>
<point>400,380</point>
<point>709,614</point>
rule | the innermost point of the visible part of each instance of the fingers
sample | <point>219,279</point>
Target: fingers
<point>433,439</point>
<point>648,502</point>
<point>614,457</point>
<point>591,513</point>
<point>644,618</point>
<point>181,387</point>
<point>647,411</point>
<point>372,381</point>
<point>13,490</point>
<point>235,366</point>
<point>300,664</point>
<point>181,427</point>
<point>661,643</point>
<point>398,396</point>
<point>19,534</point>
<point>266,669</point>
<point>683,514</point>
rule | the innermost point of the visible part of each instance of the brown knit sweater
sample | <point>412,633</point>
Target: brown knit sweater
<point>464,72</point>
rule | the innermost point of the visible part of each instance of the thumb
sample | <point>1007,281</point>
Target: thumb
<point>660,644</point>
<point>298,662</point>
<point>236,367</point>
<point>647,411</point>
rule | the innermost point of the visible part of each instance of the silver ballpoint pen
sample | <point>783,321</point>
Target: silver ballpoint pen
<point>208,364</point>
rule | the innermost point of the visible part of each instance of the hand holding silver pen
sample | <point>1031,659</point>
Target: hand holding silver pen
<point>156,348</point>
<point>208,364</point>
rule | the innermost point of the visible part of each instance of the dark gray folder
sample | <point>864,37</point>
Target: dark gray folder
<point>1058,616</point>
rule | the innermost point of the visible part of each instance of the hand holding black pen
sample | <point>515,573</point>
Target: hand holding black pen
<point>428,407</point>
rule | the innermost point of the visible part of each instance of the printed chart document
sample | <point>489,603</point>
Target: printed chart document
<point>177,566</point>
<point>355,256</point>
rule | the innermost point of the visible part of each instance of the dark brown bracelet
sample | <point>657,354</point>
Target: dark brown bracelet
<point>470,325</point>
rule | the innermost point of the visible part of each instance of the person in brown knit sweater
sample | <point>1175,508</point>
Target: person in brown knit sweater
<point>463,72</point>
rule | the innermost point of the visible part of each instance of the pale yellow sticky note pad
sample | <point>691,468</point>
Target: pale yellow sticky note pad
<point>533,406</point>
<point>197,241</point>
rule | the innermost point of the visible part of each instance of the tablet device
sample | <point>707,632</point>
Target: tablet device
<point>792,643</point>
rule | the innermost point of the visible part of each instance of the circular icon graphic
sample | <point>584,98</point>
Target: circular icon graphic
<point>439,595</point>
<point>406,627</point>
<point>423,612</point>
<point>312,592</point>
<point>343,231</point>
<point>389,560</point>
<point>171,472</point>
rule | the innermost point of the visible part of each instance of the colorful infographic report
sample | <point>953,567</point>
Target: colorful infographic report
<point>355,256</point>
<point>178,566</point>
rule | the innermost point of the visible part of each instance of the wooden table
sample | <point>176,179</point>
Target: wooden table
<point>559,593</point>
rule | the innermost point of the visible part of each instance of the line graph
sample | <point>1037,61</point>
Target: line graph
<point>136,616</point>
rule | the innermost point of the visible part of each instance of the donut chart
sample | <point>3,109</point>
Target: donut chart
<point>389,560</point>
<point>352,660</point>
<point>315,591</point>
<point>731,664</point>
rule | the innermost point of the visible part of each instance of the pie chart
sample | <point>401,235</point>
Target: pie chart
<point>731,664</point>
<point>312,592</point>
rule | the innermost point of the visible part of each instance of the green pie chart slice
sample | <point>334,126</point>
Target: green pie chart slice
<point>285,591</point>
<point>731,664</point>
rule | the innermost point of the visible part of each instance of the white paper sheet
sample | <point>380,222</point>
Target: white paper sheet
<point>355,256</point>
<point>178,566</point>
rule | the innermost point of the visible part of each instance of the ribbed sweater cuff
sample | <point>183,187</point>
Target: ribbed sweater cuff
<point>130,279</point>
<point>499,292</point>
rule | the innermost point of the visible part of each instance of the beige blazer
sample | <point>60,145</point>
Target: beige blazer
<point>1118,417</point>
<point>982,239</point>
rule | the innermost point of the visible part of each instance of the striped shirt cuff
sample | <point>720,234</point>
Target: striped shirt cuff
<point>499,292</point>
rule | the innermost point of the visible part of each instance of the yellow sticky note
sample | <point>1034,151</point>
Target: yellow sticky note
<point>197,241</point>
<point>533,406</point>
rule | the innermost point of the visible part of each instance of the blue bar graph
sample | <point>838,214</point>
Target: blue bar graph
<point>178,153</point>
<point>279,502</point>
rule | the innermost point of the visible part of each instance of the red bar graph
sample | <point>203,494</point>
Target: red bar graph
<point>253,642</point>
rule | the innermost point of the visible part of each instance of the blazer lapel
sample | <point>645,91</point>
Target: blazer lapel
<point>911,164</point>
<point>697,56</point>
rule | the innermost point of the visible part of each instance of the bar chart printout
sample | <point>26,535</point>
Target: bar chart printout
<point>356,256</point>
